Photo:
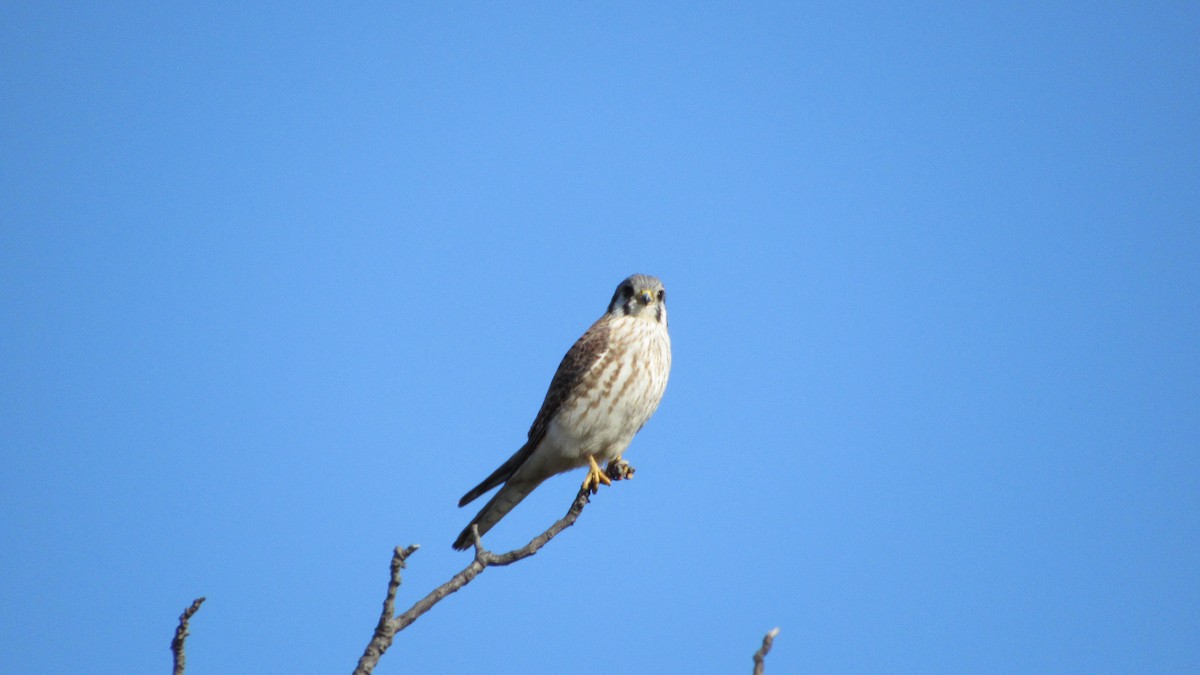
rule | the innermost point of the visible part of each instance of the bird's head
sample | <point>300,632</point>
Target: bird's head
<point>641,296</point>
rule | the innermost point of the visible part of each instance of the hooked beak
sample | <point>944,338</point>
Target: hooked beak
<point>645,296</point>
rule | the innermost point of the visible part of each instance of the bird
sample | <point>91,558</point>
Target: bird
<point>606,388</point>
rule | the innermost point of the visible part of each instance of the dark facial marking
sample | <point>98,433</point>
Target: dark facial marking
<point>623,291</point>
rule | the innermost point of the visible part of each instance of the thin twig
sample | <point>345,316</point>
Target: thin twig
<point>385,631</point>
<point>763,650</point>
<point>181,633</point>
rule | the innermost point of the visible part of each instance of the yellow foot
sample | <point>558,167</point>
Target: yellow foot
<point>594,477</point>
<point>619,469</point>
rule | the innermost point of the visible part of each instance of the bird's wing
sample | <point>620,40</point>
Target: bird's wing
<point>580,358</point>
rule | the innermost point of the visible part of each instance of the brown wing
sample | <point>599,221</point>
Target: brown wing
<point>579,359</point>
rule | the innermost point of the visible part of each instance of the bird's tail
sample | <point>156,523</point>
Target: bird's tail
<point>497,507</point>
<point>501,474</point>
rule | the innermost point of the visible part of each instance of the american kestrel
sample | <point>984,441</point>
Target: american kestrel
<point>607,386</point>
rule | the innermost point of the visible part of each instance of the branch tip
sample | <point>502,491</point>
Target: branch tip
<point>477,542</point>
<point>181,633</point>
<point>762,652</point>
<point>400,555</point>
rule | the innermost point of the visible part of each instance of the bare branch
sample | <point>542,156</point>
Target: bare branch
<point>763,650</point>
<point>485,558</point>
<point>181,633</point>
<point>499,560</point>
<point>385,631</point>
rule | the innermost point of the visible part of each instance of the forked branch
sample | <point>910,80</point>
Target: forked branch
<point>390,624</point>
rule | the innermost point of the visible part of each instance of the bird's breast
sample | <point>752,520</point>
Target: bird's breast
<point>618,394</point>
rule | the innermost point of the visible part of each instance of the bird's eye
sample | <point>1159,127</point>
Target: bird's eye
<point>626,291</point>
<point>662,295</point>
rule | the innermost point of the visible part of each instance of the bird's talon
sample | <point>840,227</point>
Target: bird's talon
<point>619,470</point>
<point>595,477</point>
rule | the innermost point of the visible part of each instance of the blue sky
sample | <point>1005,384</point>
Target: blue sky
<point>281,283</point>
